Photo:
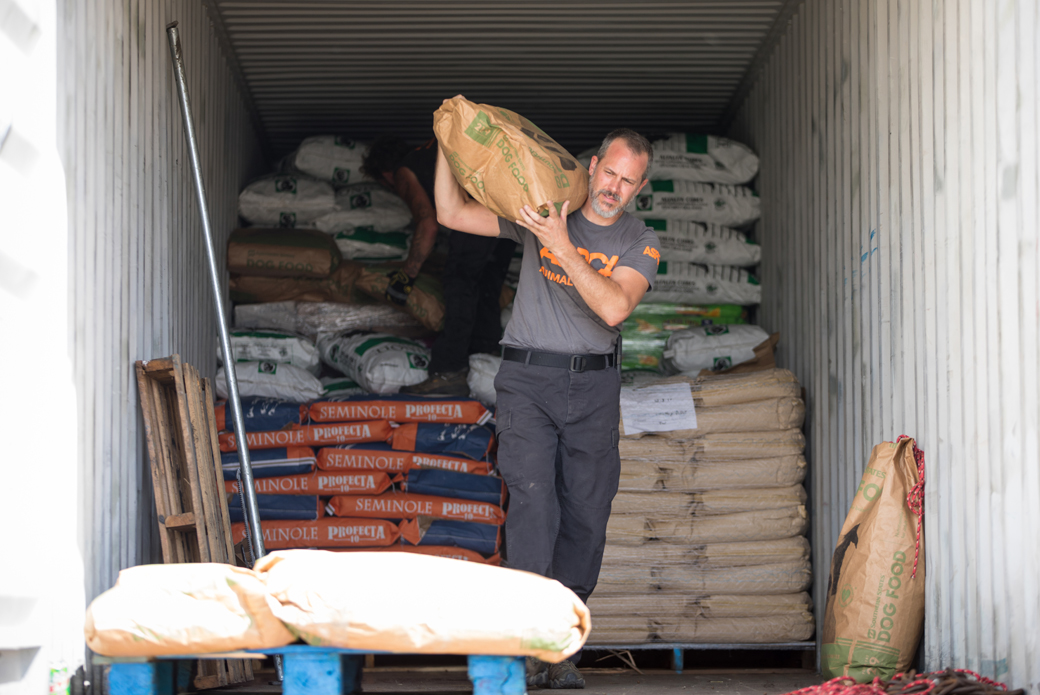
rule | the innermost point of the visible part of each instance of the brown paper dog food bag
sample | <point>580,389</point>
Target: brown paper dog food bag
<point>505,161</point>
<point>875,596</point>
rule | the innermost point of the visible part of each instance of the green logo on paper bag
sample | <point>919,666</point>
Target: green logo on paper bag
<point>871,661</point>
<point>481,131</point>
<point>847,593</point>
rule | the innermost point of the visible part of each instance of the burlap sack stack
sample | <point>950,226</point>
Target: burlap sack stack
<point>706,540</point>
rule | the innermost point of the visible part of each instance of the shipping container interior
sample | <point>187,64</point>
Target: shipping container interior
<point>898,182</point>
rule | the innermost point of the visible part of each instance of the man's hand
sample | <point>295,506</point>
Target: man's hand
<point>551,230</point>
<point>401,285</point>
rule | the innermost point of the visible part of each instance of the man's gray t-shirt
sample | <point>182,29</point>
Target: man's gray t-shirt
<point>549,314</point>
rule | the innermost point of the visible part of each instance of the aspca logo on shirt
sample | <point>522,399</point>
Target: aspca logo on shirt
<point>593,258</point>
<point>653,253</point>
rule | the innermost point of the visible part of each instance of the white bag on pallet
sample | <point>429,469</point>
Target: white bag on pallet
<point>705,158</point>
<point>268,379</point>
<point>189,608</point>
<point>690,283</point>
<point>366,204</point>
<point>711,347</point>
<point>694,242</point>
<point>377,362</point>
<point>331,158</point>
<point>332,599</point>
<point>729,206</point>
<point>273,346</point>
<point>286,200</point>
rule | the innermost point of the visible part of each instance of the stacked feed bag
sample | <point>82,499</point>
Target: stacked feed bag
<point>706,273</point>
<point>272,364</point>
<point>705,541</point>
<point>378,362</point>
<point>646,331</point>
<point>390,472</point>
<point>320,186</point>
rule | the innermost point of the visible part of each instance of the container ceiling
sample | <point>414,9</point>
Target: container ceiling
<point>577,68</point>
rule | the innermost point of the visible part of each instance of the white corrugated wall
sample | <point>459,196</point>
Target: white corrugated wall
<point>138,287</point>
<point>898,141</point>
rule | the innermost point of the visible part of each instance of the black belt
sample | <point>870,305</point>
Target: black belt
<point>575,363</point>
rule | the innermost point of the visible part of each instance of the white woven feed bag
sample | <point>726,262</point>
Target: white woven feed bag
<point>331,158</point>
<point>273,346</point>
<point>703,158</point>
<point>377,362</point>
<point>715,203</point>
<point>711,347</point>
<point>693,242</point>
<point>366,243</point>
<point>332,599</point>
<point>483,369</point>
<point>691,283</point>
<point>339,387</point>
<point>365,204</point>
<point>272,380</point>
<point>286,200</point>
<point>189,608</point>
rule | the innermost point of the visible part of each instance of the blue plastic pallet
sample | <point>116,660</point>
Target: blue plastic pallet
<point>307,671</point>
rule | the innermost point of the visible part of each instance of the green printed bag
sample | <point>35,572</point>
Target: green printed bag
<point>875,596</point>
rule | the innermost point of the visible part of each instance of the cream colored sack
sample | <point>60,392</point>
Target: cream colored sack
<point>770,524</point>
<point>704,607</point>
<point>710,555</point>
<point>418,604</point>
<point>650,476</point>
<point>190,608</point>
<point>788,627</point>
<point>759,416</point>
<point>679,505</point>
<point>781,578</point>
<point>505,161</point>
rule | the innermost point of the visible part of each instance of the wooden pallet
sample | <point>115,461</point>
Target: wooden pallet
<point>194,524</point>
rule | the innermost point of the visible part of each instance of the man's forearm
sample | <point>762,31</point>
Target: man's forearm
<point>423,239</point>
<point>603,295</point>
<point>446,190</point>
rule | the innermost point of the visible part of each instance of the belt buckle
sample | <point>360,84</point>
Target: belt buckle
<point>578,363</point>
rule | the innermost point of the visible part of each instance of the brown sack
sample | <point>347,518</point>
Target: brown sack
<point>709,555</point>
<point>875,603</point>
<point>337,287</point>
<point>189,608</point>
<point>695,476</point>
<point>425,302</point>
<point>417,604</point>
<point>505,161</point>
<point>759,416</point>
<point>670,505</point>
<point>286,253</point>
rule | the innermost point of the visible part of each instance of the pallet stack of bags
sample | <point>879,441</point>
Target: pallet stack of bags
<point>318,244</point>
<point>346,463</point>
<point>700,208</point>
<point>706,539</point>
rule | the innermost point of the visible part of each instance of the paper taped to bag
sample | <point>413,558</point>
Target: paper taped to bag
<point>327,598</point>
<point>505,161</point>
<point>658,409</point>
<point>759,416</point>
<point>189,608</point>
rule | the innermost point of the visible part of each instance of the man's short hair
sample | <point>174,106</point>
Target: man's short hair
<point>634,141</point>
<point>384,154</point>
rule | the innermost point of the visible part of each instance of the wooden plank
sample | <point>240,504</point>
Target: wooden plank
<point>162,501</point>
<point>210,527</point>
<point>189,461</point>
<point>178,521</point>
<point>211,419</point>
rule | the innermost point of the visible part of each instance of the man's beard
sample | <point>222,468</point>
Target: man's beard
<point>600,210</point>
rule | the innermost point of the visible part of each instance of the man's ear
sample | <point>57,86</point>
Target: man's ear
<point>592,165</point>
<point>645,181</point>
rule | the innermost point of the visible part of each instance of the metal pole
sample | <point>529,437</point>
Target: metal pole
<point>250,508</point>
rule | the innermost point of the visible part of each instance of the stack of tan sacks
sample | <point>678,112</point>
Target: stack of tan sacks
<point>705,541</point>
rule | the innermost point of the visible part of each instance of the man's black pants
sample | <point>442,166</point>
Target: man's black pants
<point>558,454</point>
<point>472,284</point>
